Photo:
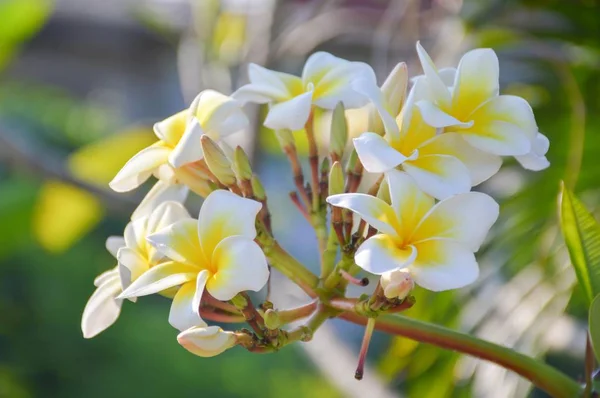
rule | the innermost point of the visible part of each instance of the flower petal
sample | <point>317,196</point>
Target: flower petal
<point>171,129</point>
<point>376,154</point>
<point>102,309</point>
<point>481,165</point>
<point>206,341</point>
<point>380,254</point>
<point>373,210</point>
<point>140,167</point>
<point>159,278</point>
<point>240,265</point>
<point>464,218</point>
<point>437,88</point>
<point>114,243</point>
<point>267,85</point>
<point>135,234</point>
<point>477,80</point>
<point>443,265</point>
<point>188,149</point>
<point>179,241</point>
<point>184,312</point>
<point>160,192</point>
<point>370,90</point>
<point>131,266</point>
<point>165,214</point>
<point>439,175</point>
<point>408,201</point>
<point>394,89</point>
<point>218,115</point>
<point>437,118</point>
<point>106,275</point>
<point>536,159</point>
<point>498,138</point>
<point>224,214</point>
<point>291,114</point>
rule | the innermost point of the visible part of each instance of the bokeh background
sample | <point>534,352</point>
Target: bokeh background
<point>82,81</point>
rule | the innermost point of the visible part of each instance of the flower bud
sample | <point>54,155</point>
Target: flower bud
<point>258,189</point>
<point>336,179</point>
<point>394,89</point>
<point>217,162</point>
<point>241,164</point>
<point>339,131</point>
<point>285,138</point>
<point>352,160</point>
<point>397,284</point>
<point>383,192</point>
<point>206,341</point>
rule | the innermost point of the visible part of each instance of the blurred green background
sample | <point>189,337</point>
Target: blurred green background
<point>81,83</point>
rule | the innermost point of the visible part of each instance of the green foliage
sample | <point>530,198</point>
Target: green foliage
<point>582,236</point>
<point>594,322</point>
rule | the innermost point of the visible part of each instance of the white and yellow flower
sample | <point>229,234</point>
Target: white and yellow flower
<point>502,125</point>
<point>442,165</point>
<point>173,158</point>
<point>433,242</point>
<point>326,80</point>
<point>134,255</point>
<point>217,253</point>
<point>206,341</point>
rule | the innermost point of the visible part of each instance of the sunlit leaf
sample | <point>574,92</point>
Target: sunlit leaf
<point>63,214</point>
<point>582,236</point>
<point>594,322</point>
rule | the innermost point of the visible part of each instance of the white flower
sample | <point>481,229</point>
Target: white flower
<point>206,341</point>
<point>174,157</point>
<point>397,283</point>
<point>326,80</point>
<point>498,124</point>
<point>434,242</point>
<point>216,253</point>
<point>536,159</point>
<point>441,164</point>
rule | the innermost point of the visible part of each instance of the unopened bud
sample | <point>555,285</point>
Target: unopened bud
<point>285,138</point>
<point>217,162</point>
<point>394,89</point>
<point>352,160</point>
<point>383,192</point>
<point>207,341</point>
<point>325,167</point>
<point>241,164</point>
<point>336,179</point>
<point>258,189</point>
<point>339,131</point>
<point>397,284</point>
<point>272,320</point>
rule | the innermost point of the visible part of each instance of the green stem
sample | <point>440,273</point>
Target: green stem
<point>335,277</point>
<point>329,254</point>
<point>545,377</point>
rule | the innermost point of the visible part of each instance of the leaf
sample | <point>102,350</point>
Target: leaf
<point>582,236</point>
<point>594,324</point>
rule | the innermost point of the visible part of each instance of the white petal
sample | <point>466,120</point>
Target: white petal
<point>394,89</point>
<point>464,218</point>
<point>131,266</point>
<point>267,85</point>
<point>102,309</point>
<point>447,75</point>
<point>188,149</point>
<point>438,89</point>
<point>374,94</point>
<point>217,114</point>
<point>240,265</point>
<point>481,165</point>
<point>291,114</point>
<point>184,312</point>
<point>443,265</point>
<point>536,159</point>
<point>373,210</point>
<point>206,341</point>
<point>135,234</point>
<point>165,214</point>
<point>114,243</point>
<point>436,117</point>
<point>499,138</point>
<point>408,201</point>
<point>224,214</point>
<point>380,254</point>
<point>140,167</point>
<point>477,80</point>
<point>160,192</point>
<point>179,241</point>
<point>376,154</point>
<point>105,276</point>
<point>159,278</point>
<point>439,175</point>
<point>171,129</point>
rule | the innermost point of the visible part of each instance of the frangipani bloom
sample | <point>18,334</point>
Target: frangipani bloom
<point>326,80</point>
<point>433,242</point>
<point>217,253</point>
<point>441,164</point>
<point>174,157</point>
<point>206,341</point>
<point>134,256</point>
<point>498,124</point>
<point>397,283</point>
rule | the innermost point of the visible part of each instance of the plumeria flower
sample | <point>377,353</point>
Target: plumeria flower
<point>433,242</point>
<point>326,80</point>
<point>441,164</point>
<point>397,283</point>
<point>134,257</point>
<point>217,253</point>
<point>206,341</point>
<point>502,125</point>
<point>174,157</point>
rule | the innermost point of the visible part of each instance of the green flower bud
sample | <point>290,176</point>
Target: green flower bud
<point>217,162</point>
<point>258,189</point>
<point>241,164</point>
<point>285,138</point>
<point>339,131</point>
<point>336,179</point>
<point>383,192</point>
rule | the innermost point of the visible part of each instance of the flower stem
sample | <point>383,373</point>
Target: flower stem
<point>313,160</point>
<point>364,348</point>
<point>543,376</point>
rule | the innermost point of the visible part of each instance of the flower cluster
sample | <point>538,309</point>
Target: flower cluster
<point>428,146</point>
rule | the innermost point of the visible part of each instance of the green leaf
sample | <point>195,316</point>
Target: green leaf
<point>594,322</point>
<point>582,236</point>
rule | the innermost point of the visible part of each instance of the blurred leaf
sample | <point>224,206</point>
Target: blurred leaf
<point>17,198</point>
<point>63,214</point>
<point>582,236</point>
<point>594,322</point>
<point>99,162</point>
